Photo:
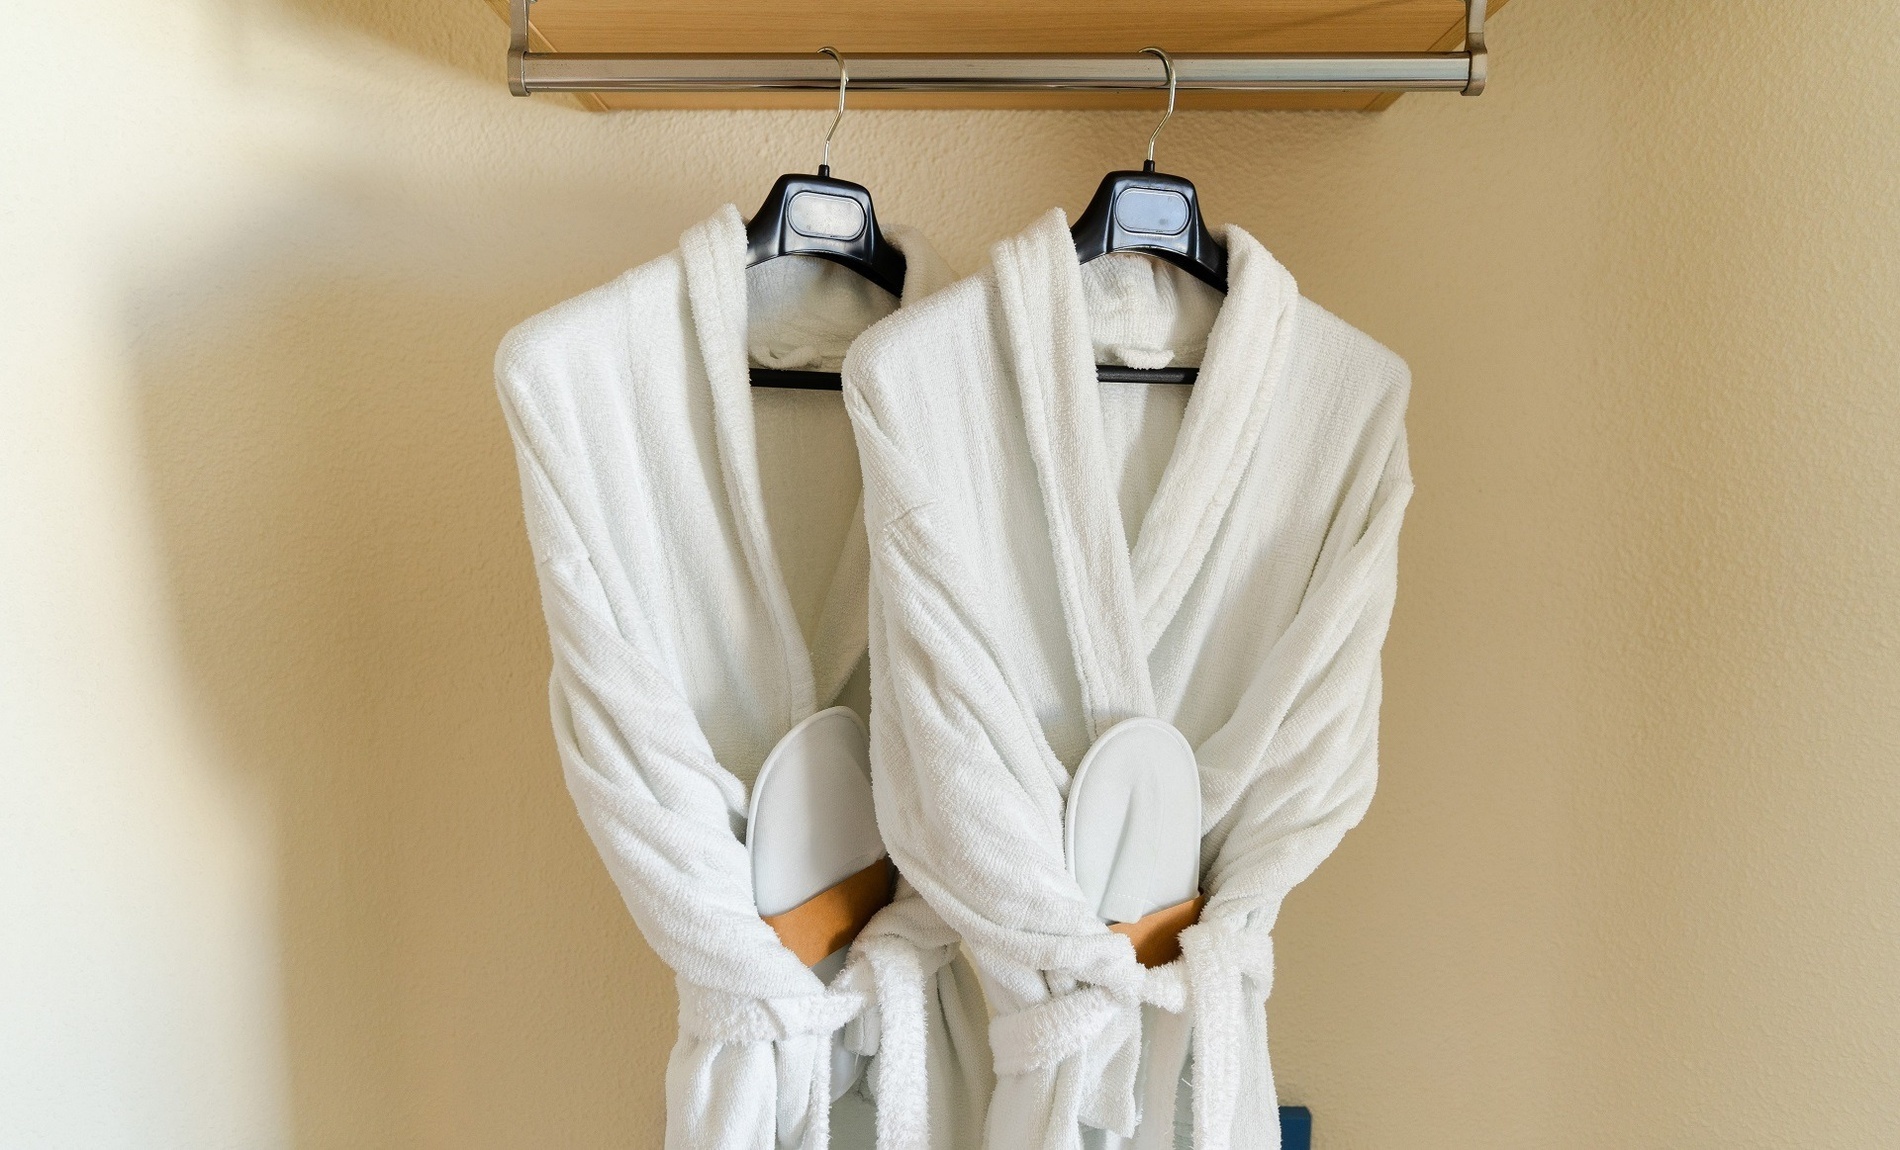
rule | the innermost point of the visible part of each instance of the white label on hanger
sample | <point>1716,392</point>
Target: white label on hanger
<point>1152,211</point>
<point>826,217</point>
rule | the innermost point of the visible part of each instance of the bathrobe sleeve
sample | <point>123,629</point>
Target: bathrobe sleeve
<point>986,855</point>
<point>1294,768</point>
<point>1285,779</point>
<point>662,813</point>
<point>751,1069</point>
<point>657,803</point>
<point>948,713</point>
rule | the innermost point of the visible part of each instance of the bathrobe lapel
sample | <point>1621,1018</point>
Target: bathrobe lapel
<point>1118,600</point>
<point>1040,285</point>
<point>714,256</point>
<point>1245,367</point>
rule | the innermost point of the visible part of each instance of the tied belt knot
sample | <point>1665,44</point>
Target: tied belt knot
<point>1090,1037</point>
<point>880,1002</point>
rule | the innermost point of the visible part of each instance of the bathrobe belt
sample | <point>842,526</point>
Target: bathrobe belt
<point>878,1000</point>
<point>1094,1032</point>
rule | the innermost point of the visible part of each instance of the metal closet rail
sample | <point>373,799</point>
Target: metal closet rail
<point>1460,71</point>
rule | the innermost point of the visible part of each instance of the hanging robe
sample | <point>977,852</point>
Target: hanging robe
<point>1051,555</point>
<point>696,613</point>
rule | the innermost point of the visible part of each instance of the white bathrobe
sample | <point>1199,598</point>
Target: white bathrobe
<point>703,570</point>
<point>1051,555</point>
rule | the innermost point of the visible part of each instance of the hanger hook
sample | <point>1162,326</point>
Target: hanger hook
<point>844,81</point>
<point>1168,63</point>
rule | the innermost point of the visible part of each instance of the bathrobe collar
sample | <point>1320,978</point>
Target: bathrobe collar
<point>1118,599</point>
<point>713,253</point>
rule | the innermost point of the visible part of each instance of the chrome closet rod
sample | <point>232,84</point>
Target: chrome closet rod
<point>564,72</point>
<point>1461,71</point>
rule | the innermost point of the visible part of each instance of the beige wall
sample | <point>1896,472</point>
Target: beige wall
<point>284,853</point>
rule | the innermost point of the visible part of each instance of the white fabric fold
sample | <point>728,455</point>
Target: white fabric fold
<point>1018,610</point>
<point>680,659</point>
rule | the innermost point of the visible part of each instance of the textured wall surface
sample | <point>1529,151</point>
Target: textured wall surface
<point>284,853</point>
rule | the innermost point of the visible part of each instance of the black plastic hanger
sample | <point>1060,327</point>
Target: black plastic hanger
<point>1157,215</point>
<point>806,215</point>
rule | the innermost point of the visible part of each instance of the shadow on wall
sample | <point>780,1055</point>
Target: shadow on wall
<point>336,500</point>
<point>459,34</point>
<point>339,511</point>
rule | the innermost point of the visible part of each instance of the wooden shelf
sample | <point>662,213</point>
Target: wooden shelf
<point>977,27</point>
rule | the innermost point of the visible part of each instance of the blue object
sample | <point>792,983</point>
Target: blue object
<point>1296,1128</point>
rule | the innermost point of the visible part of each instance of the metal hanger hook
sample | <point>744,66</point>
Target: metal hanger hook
<point>1168,63</point>
<point>844,81</point>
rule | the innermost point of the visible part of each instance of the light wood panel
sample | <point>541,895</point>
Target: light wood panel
<point>989,26</point>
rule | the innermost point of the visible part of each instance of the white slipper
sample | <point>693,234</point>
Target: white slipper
<point>1132,831</point>
<point>1132,835</point>
<point>812,826</point>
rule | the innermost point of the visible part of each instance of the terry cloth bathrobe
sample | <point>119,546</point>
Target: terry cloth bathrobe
<point>702,563</point>
<point>1050,556</point>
